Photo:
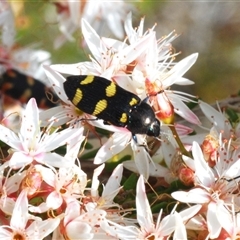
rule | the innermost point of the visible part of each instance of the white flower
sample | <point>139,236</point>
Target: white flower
<point>156,71</point>
<point>214,188</point>
<point>218,119</point>
<point>98,13</point>
<point>143,164</point>
<point>221,124</point>
<point>19,227</point>
<point>9,186</point>
<point>94,209</point>
<point>161,229</point>
<point>110,58</point>
<point>148,228</point>
<point>110,190</point>
<point>80,224</point>
<point>33,144</point>
<point>64,186</point>
<point>223,137</point>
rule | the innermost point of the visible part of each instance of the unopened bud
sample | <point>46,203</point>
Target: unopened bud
<point>163,108</point>
<point>209,148</point>
<point>186,175</point>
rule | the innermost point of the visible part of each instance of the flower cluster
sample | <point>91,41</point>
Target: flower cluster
<point>47,194</point>
<point>102,13</point>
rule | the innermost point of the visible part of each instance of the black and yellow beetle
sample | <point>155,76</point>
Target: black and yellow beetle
<point>22,87</point>
<point>106,100</point>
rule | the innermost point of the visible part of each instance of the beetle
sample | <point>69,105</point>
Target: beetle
<point>22,87</point>
<point>106,100</point>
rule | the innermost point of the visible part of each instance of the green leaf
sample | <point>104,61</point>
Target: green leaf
<point>61,150</point>
<point>157,207</point>
<point>87,145</point>
<point>175,186</point>
<point>191,104</point>
<point>102,131</point>
<point>131,182</point>
<point>233,117</point>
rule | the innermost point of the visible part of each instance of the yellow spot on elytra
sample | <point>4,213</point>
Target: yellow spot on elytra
<point>100,106</point>
<point>6,86</point>
<point>30,81</point>
<point>78,97</point>
<point>134,101</point>
<point>111,90</point>
<point>26,95</point>
<point>11,74</point>
<point>124,118</point>
<point>87,80</point>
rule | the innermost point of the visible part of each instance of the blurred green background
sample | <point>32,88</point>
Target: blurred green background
<point>210,28</point>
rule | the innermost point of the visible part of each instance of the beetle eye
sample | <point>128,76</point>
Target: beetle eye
<point>154,129</point>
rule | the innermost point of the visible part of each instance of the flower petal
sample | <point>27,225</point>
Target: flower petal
<point>95,181</point>
<point>180,69</point>
<point>20,159</point>
<point>144,213</point>
<point>92,39</point>
<point>20,212</point>
<point>214,227</point>
<point>57,81</point>
<point>196,195</point>
<point>203,173</point>
<point>113,184</point>
<point>10,138</point>
<point>142,159</point>
<point>215,117</point>
<point>115,144</point>
<point>182,110</point>
<point>30,121</point>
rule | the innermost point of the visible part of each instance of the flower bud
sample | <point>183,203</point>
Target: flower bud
<point>161,105</point>
<point>32,181</point>
<point>186,175</point>
<point>163,108</point>
<point>209,148</point>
